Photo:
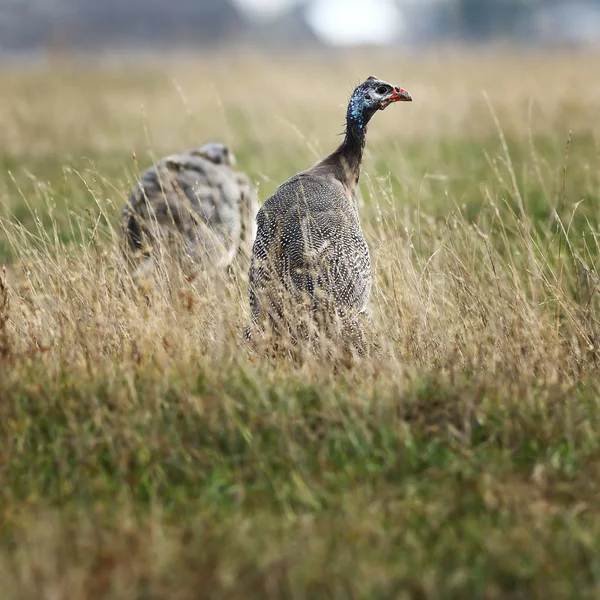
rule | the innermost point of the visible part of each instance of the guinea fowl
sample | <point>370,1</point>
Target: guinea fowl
<point>196,205</point>
<point>309,243</point>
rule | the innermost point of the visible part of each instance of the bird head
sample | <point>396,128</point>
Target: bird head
<point>372,95</point>
<point>218,153</point>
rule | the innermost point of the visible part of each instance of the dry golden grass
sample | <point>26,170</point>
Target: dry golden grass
<point>145,452</point>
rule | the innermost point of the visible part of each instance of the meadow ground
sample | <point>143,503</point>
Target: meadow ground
<point>144,453</point>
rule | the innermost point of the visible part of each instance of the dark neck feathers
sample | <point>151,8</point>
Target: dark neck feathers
<point>345,162</point>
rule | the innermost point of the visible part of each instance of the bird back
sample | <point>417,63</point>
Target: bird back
<point>198,208</point>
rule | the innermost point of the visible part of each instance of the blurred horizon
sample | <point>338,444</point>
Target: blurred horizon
<point>46,27</point>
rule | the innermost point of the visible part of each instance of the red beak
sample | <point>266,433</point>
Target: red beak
<point>400,95</point>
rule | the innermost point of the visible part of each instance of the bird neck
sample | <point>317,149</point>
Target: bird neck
<point>350,152</point>
<point>345,162</point>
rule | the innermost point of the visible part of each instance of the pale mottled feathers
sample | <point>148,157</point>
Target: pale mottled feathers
<point>193,206</point>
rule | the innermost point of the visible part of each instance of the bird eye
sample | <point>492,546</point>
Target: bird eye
<point>382,89</point>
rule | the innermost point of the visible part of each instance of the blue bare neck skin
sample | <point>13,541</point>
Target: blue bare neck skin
<point>359,113</point>
<point>356,113</point>
<point>358,116</point>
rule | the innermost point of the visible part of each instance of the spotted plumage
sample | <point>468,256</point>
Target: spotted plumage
<point>195,206</point>
<point>309,244</point>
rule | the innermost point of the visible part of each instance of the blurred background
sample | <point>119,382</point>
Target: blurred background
<point>34,28</point>
<point>94,91</point>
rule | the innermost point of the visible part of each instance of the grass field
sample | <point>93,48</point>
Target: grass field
<point>145,453</point>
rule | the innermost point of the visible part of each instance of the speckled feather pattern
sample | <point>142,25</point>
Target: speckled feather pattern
<point>309,238</point>
<point>309,241</point>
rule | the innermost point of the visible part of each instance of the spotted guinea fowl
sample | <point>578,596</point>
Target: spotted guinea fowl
<point>309,242</point>
<point>195,206</point>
